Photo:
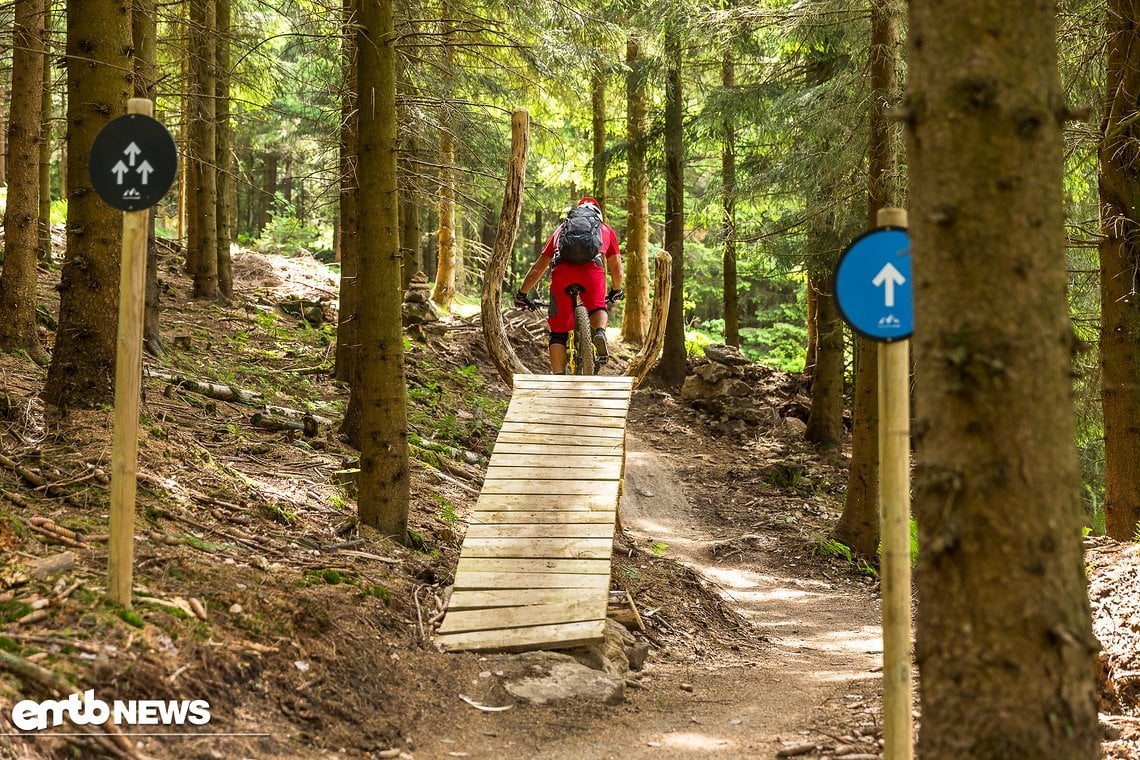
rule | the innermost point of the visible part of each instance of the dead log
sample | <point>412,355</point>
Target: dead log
<point>307,425</point>
<point>46,567</point>
<point>211,390</point>
<point>655,339</point>
<point>498,346</point>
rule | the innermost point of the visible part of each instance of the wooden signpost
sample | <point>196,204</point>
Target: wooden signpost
<point>133,162</point>
<point>872,286</point>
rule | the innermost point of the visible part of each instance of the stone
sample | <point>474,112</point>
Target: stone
<point>722,354</point>
<point>637,654</point>
<point>715,373</point>
<point>420,312</point>
<point>695,388</point>
<point>609,656</point>
<point>795,427</point>
<point>550,677</point>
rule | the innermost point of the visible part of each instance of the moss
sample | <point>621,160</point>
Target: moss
<point>11,611</point>
<point>130,617</point>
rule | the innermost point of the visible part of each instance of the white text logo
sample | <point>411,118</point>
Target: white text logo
<point>29,715</point>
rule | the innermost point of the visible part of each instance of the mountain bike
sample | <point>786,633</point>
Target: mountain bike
<point>581,357</point>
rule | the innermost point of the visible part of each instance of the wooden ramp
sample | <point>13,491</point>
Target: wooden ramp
<point>534,571</point>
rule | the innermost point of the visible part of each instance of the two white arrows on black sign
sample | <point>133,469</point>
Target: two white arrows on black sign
<point>120,169</point>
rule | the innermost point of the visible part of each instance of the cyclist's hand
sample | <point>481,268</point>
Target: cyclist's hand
<point>522,302</point>
<point>615,294</point>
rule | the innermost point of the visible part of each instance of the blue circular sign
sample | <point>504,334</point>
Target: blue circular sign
<point>873,285</point>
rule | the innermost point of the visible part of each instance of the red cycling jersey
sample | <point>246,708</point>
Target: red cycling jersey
<point>591,276</point>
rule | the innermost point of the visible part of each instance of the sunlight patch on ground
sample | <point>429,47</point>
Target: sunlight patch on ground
<point>694,742</point>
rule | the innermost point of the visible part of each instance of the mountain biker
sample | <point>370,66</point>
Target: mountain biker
<point>581,262</point>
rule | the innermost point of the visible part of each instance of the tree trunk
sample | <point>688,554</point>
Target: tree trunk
<point>83,364</point>
<point>384,466</point>
<point>635,317</point>
<point>858,526</point>
<point>673,363</point>
<point>44,252</point>
<point>598,110</point>
<point>812,330</point>
<point>411,235</point>
<point>728,197</point>
<point>3,139</point>
<point>203,134</point>
<point>144,26</point>
<point>1004,640</point>
<point>491,314</point>
<point>1119,262</point>
<point>21,216</point>
<point>825,422</point>
<point>268,190</point>
<point>444,291</point>
<point>347,334</point>
<point>224,163</point>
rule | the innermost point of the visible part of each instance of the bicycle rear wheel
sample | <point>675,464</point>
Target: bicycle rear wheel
<point>583,343</point>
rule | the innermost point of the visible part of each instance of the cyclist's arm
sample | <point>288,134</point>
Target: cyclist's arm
<point>613,266</point>
<point>537,269</point>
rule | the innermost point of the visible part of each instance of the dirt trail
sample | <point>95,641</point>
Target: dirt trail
<point>814,665</point>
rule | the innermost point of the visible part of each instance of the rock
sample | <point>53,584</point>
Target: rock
<point>610,655</point>
<point>549,677</point>
<point>420,312</point>
<point>637,654</point>
<point>715,373</point>
<point>795,427</point>
<point>722,354</point>
<point>695,388</point>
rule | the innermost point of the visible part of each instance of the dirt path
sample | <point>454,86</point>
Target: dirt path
<point>813,673</point>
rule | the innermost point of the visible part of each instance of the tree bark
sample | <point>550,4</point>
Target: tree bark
<point>1119,262</point>
<point>203,153</point>
<point>224,163</point>
<point>83,363</point>
<point>498,346</point>
<point>444,291</point>
<point>858,526</point>
<point>598,130</point>
<point>384,466</point>
<point>411,235</point>
<point>1004,640</point>
<point>728,201</point>
<point>144,26</point>
<point>21,216</point>
<point>635,317</point>
<point>640,365</point>
<point>673,364</point>
<point>825,421</point>
<point>44,252</point>
<point>347,333</point>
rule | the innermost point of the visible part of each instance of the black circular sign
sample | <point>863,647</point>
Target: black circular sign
<point>133,162</point>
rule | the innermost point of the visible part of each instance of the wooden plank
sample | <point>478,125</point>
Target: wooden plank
<point>500,618</point>
<point>615,449</point>
<point>619,380</point>
<point>565,431</point>
<point>562,417</point>
<point>518,597</point>
<point>562,439</point>
<point>554,487</point>
<point>476,581</point>
<point>563,635</point>
<point>535,548</point>
<point>553,470</point>
<point>560,412</point>
<point>567,517</point>
<point>539,530</point>
<point>545,502</point>
<point>570,461</point>
<point>543,401</point>
<point>524,566</point>
<point>552,394</point>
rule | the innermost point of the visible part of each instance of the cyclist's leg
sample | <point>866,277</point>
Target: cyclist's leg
<point>558,352</point>
<point>594,298</point>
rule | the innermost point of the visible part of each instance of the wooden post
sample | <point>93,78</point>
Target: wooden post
<point>894,497</point>
<point>494,333</point>
<point>128,376</point>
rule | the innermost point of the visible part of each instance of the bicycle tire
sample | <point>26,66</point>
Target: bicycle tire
<point>583,342</point>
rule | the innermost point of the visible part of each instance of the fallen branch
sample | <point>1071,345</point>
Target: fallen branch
<point>307,426</point>
<point>211,390</point>
<point>37,481</point>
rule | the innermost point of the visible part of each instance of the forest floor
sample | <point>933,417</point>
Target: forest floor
<point>310,637</point>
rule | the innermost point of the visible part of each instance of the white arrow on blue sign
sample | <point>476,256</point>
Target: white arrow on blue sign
<point>873,285</point>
